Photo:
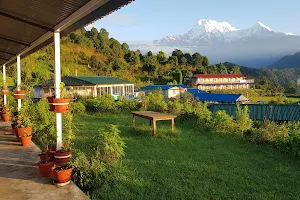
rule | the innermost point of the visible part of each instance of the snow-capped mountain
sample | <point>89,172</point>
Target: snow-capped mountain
<point>256,46</point>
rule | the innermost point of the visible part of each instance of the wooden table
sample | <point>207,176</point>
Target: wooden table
<point>153,117</point>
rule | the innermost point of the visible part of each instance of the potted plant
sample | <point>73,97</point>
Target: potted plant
<point>26,139</point>
<point>45,168</point>
<point>5,90</point>
<point>62,173</point>
<point>19,92</point>
<point>23,125</point>
<point>64,154</point>
<point>5,113</point>
<point>61,105</point>
<point>44,156</point>
<point>50,101</point>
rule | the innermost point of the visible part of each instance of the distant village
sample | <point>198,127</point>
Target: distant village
<point>202,87</point>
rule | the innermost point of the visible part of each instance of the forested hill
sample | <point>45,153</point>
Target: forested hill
<point>95,53</point>
<point>292,61</point>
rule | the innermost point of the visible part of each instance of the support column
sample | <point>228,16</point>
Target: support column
<point>123,91</point>
<point>57,89</point>
<point>4,83</point>
<point>133,90</point>
<point>19,79</point>
<point>111,90</point>
<point>95,91</point>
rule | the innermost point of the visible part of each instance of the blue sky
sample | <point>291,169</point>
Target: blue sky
<point>147,20</point>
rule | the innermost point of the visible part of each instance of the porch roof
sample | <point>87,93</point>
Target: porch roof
<point>28,25</point>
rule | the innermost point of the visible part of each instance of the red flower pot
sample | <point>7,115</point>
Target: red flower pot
<point>19,94</point>
<point>45,168</point>
<point>61,105</point>
<point>50,101</point>
<point>5,118</point>
<point>25,141</point>
<point>51,153</point>
<point>62,174</point>
<point>43,157</point>
<point>62,157</point>
<point>23,131</point>
<point>5,91</point>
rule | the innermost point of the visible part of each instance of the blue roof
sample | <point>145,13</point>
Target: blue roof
<point>194,91</point>
<point>227,98</point>
<point>162,87</point>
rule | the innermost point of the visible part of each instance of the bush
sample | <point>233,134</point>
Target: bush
<point>244,123</point>
<point>223,123</point>
<point>126,105</point>
<point>268,132</point>
<point>77,107</point>
<point>154,102</point>
<point>105,103</point>
<point>175,107</point>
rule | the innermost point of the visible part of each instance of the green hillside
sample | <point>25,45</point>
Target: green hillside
<point>291,61</point>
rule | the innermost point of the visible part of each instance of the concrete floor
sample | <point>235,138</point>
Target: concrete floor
<point>19,175</point>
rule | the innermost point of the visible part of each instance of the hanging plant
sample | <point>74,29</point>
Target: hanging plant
<point>19,92</point>
<point>5,89</point>
<point>61,105</point>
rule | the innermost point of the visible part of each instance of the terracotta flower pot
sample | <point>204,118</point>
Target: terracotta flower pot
<point>23,131</point>
<point>25,141</point>
<point>61,105</point>
<point>5,118</point>
<point>5,91</point>
<point>62,174</point>
<point>51,153</point>
<point>19,94</point>
<point>45,168</point>
<point>50,101</point>
<point>62,157</point>
<point>43,157</point>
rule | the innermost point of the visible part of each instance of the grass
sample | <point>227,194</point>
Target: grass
<point>192,165</point>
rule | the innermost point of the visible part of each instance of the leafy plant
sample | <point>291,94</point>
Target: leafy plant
<point>65,93</point>
<point>6,111</point>
<point>243,120</point>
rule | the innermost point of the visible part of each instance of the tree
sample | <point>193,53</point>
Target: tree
<point>188,58</point>
<point>173,60</point>
<point>183,61</point>
<point>177,75</point>
<point>212,69</point>
<point>149,53</point>
<point>178,53</point>
<point>291,87</point>
<point>93,33</point>
<point>161,57</point>
<point>116,48</point>
<point>222,69</point>
<point>205,61</point>
<point>197,59</point>
<point>125,47</point>
<point>151,65</point>
<point>236,70</point>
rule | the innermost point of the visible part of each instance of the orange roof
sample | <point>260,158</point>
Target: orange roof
<point>218,76</point>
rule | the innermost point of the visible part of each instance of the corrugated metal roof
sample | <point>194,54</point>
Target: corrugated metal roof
<point>25,22</point>
<point>162,87</point>
<point>218,76</point>
<point>88,80</point>
<point>212,97</point>
<point>273,112</point>
<point>195,91</point>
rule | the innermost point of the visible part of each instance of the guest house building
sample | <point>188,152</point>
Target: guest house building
<point>208,82</point>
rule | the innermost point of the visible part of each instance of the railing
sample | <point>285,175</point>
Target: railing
<point>225,82</point>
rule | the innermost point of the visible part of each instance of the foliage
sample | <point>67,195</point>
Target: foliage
<point>5,110</point>
<point>243,120</point>
<point>223,123</point>
<point>77,107</point>
<point>124,104</point>
<point>154,101</point>
<point>65,93</point>
<point>68,134</point>
<point>109,145</point>
<point>175,107</point>
<point>105,103</point>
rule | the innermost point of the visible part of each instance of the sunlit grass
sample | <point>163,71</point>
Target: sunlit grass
<point>191,165</point>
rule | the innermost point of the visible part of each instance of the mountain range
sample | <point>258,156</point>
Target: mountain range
<point>257,46</point>
<point>290,61</point>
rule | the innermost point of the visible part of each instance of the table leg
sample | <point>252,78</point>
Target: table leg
<point>133,121</point>
<point>154,127</point>
<point>173,125</point>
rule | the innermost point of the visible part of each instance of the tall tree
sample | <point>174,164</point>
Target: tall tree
<point>197,59</point>
<point>162,58</point>
<point>177,75</point>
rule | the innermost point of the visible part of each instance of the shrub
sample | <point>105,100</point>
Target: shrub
<point>175,107</point>
<point>105,103</point>
<point>268,132</point>
<point>109,144</point>
<point>223,123</point>
<point>126,105</point>
<point>77,107</point>
<point>156,101</point>
<point>243,120</point>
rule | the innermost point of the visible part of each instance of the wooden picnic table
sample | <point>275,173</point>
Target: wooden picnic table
<point>153,117</point>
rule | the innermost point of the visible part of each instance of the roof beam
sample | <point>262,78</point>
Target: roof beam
<point>7,52</point>
<point>14,41</point>
<point>26,21</point>
<point>3,58</point>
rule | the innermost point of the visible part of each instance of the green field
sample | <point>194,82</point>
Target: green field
<point>191,165</point>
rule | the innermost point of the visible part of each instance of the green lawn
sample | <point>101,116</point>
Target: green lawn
<point>192,165</point>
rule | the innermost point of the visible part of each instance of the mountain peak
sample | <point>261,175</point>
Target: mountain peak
<point>261,25</point>
<point>213,26</point>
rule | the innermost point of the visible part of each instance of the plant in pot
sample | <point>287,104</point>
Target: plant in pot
<point>62,173</point>
<point>5,89</point>
<point>26,139</point>
<point>19,92</point>
<point>5,113</point>
<point>23,125</point>
<point>64,154</point>
<point>61,105</point>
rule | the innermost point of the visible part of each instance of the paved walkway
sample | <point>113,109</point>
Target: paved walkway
<point>19,175</point>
